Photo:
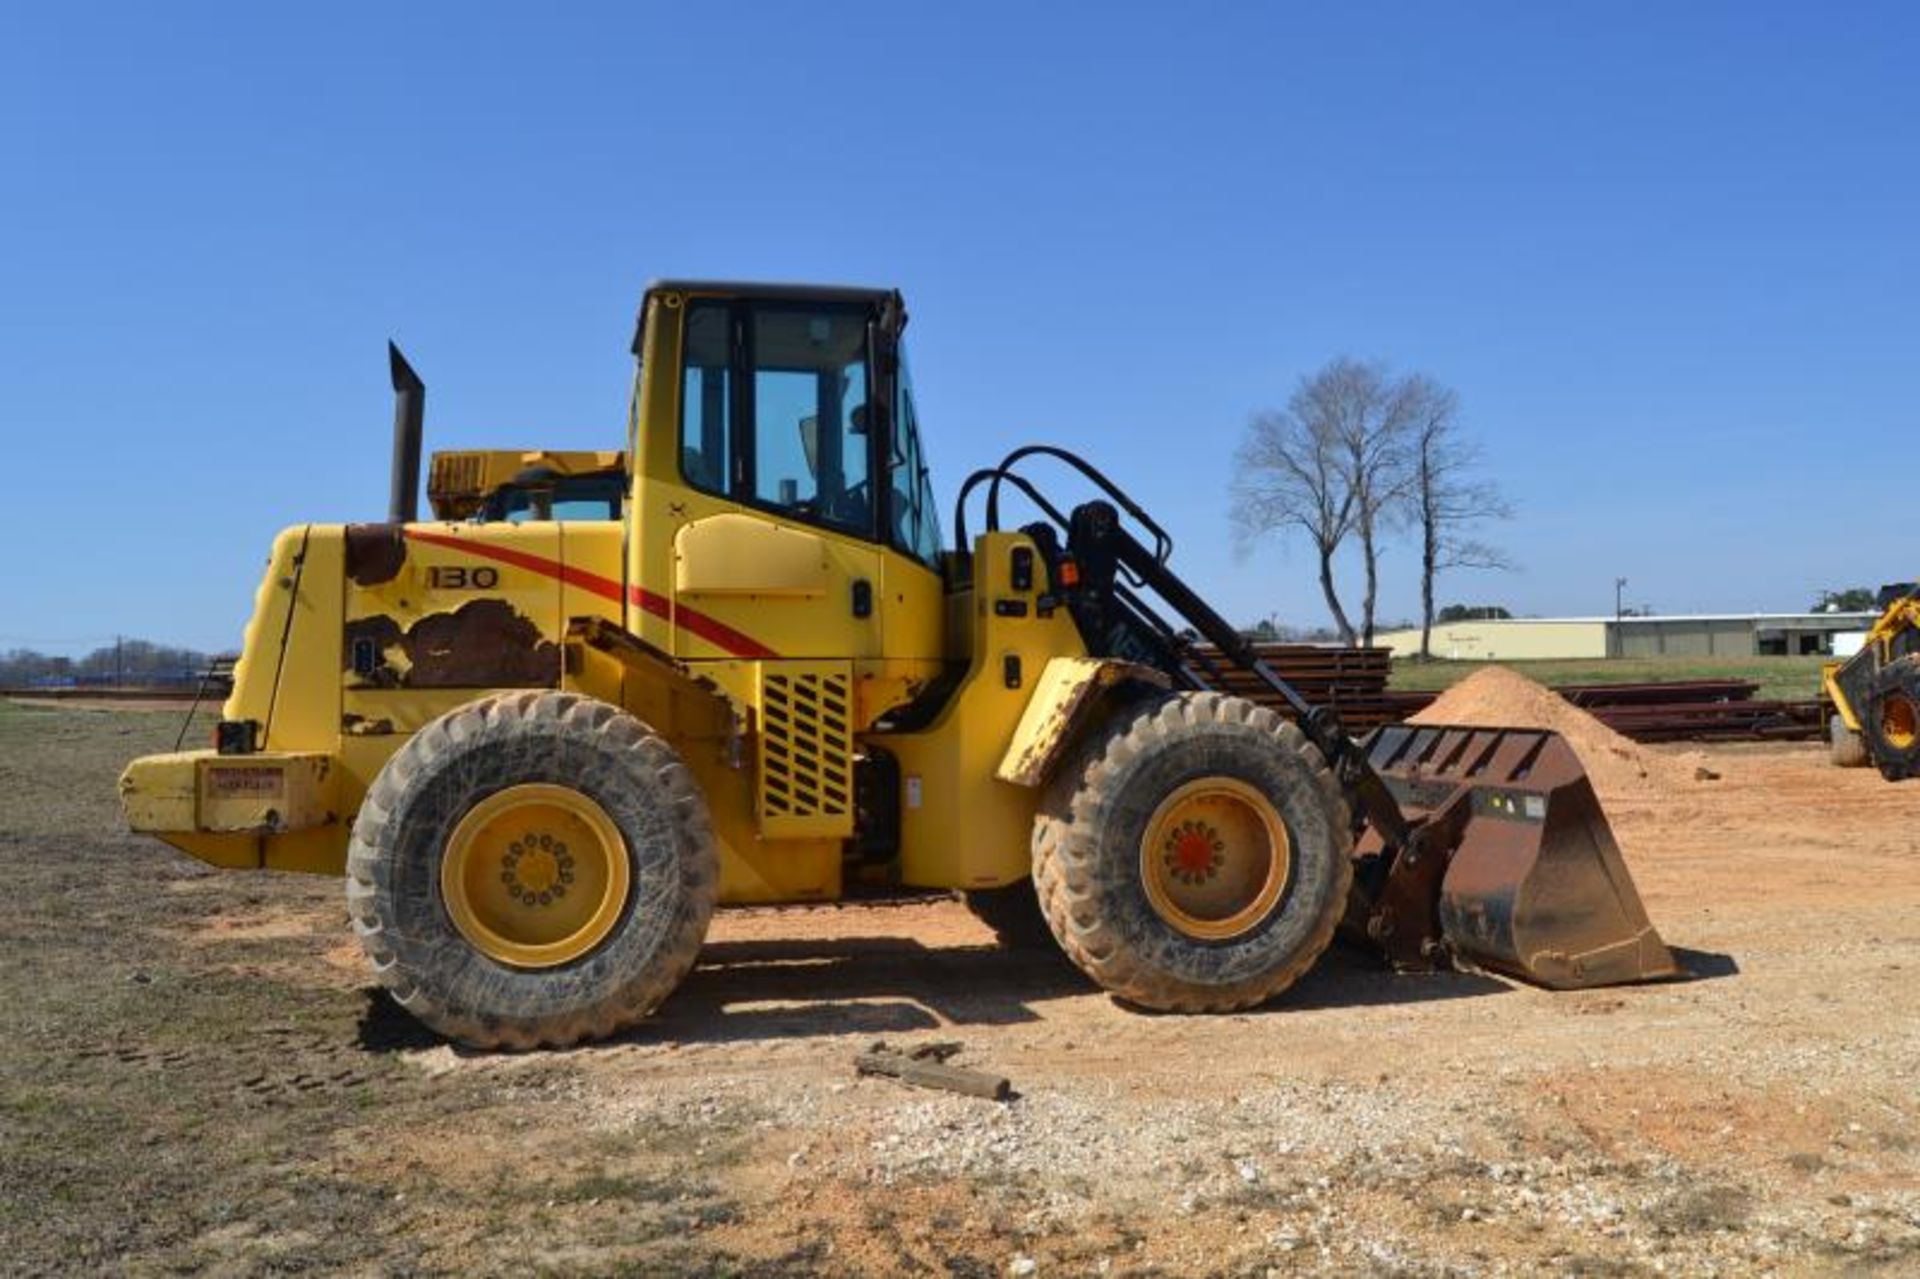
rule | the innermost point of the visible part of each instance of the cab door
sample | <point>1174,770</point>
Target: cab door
<point>775,554</point>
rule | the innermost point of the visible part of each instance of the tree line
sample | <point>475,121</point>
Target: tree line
<point>1859,599</point>
<point>1363,455</point>
<point>126,661</point>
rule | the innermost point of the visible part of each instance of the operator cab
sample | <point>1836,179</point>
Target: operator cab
<point>796,400</point>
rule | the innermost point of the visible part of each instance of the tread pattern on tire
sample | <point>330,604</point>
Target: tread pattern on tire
<point>1067,854</point>
<point>393,895</point>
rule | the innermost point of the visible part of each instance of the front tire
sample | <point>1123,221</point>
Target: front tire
<point>1196,856</point>
<point>532,870</point>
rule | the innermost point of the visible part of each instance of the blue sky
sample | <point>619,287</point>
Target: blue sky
<point>1667,254</point>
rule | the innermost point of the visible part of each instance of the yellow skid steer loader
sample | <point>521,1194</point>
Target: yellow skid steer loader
<point>541,750</point>
<point>1874,696</point>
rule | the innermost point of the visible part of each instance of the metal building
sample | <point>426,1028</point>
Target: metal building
<point>1679,635</point>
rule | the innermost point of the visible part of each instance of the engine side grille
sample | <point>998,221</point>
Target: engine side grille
<point>806,750</point>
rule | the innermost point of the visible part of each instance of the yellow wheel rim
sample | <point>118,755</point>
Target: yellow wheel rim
<point>1899,723</point>
<point>535,875</point>
<point>1215,858</point>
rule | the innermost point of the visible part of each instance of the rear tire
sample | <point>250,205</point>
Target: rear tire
<point>424,893</point>
<point>1218,778</point>
<point>1845,747</point>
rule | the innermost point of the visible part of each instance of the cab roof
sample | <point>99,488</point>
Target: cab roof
<point>770,291</point>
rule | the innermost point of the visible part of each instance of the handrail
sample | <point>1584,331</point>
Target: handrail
<point>1163,541</point>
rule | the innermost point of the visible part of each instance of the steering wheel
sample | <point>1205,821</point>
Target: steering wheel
<point>853,505</point>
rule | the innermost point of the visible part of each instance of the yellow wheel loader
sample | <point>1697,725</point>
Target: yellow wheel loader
<point>1874,696</point>
<point>542,750</point>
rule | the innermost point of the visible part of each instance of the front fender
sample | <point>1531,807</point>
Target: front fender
<point>1065,699</point>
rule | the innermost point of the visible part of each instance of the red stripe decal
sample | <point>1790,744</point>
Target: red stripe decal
<point>711,629</point>
<point>604,587</point>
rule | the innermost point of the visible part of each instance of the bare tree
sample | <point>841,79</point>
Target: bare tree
<point>1290,476</point>
<point>1334,462</point>
<point>1446,503</point>
<point>1374,412</point>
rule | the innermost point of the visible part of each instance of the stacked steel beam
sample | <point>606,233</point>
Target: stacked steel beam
<point>1351,680</point>
<point>1694,710</point>
<point>1354,682</point>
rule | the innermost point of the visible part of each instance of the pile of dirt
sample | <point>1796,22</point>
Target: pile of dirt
<point>1620,768</point>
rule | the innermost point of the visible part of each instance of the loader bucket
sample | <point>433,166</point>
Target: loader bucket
<point>1534,884</point>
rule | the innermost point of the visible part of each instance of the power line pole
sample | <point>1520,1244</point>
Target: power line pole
<point>1619,638</point>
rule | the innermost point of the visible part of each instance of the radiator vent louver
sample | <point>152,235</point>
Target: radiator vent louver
<point>460,473</point>
<point>806,750</point>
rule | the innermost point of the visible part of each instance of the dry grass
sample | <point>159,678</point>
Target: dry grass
<point>1780,678</point>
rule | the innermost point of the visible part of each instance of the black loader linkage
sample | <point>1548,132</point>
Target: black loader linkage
<point>1481,847</point>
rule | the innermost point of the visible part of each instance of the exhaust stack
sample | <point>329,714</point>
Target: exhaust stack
<point>409,410</point>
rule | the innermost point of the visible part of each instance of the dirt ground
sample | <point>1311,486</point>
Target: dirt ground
<point>195,1075</point>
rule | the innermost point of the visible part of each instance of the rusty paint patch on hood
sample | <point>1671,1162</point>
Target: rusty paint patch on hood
<point>482,644</point>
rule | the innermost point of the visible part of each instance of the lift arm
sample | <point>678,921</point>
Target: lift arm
<point>1101,547</point>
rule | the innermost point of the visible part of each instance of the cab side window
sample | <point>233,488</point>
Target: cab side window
<point>706,399</point>
<point>774,410</point>
<point>915,523</point>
